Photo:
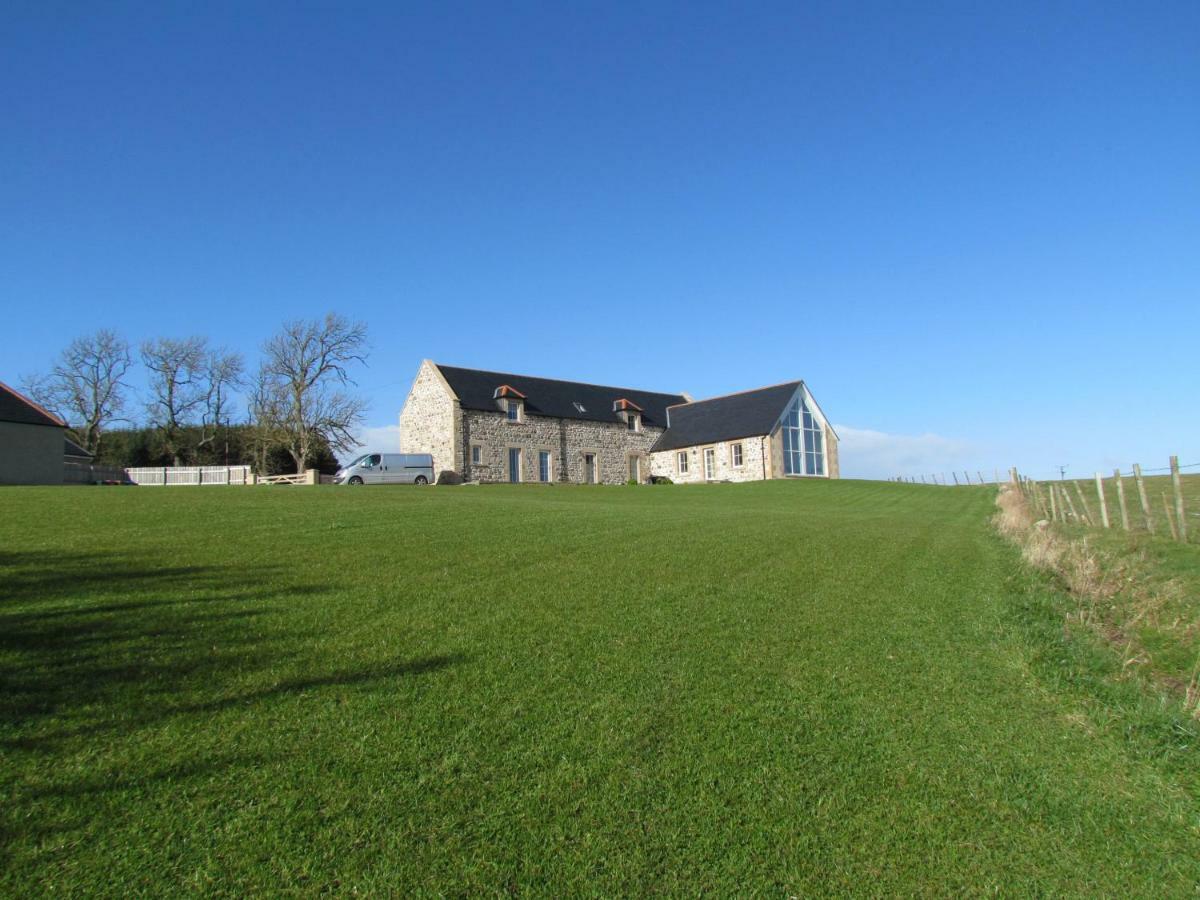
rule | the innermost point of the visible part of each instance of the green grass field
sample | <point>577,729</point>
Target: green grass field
<point>780,688</point>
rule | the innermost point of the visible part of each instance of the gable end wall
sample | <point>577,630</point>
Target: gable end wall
<point>430,421</point>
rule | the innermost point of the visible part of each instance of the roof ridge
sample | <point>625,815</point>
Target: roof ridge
<point>560,380</point>
<point>28,402</point>
<point>765,387</point>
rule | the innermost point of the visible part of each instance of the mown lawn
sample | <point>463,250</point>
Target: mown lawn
<point>771,689</point>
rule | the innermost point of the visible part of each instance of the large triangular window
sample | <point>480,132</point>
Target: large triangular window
<point>803,440</point>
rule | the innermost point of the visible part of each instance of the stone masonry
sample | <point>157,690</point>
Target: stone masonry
<point>567,441</point>
<point>431,421</point>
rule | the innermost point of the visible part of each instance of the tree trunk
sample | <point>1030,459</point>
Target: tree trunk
<point>299,459</point>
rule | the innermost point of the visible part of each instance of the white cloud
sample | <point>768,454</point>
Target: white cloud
<point>863,453</point>
<point>377,438</point>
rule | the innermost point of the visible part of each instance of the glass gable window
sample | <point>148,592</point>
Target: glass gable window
<point>803,441</point>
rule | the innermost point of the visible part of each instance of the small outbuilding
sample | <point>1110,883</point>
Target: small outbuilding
<point>31,441</point>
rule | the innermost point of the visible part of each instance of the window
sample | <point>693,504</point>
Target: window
<point>514,464</point>
<point>476,454</point>
<point>371,461</point>
<point>543,465</point>
<point>633,421</point>
<point>803,441</point>
<point>514,410</point>
<point>710,463</point>
<point>681,462</point>
<point>735,455</point>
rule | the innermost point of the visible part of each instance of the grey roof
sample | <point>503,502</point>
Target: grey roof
<point>726,418</point>
<point>18,408</point>
<point>550,397</point>
<point>72,449</point>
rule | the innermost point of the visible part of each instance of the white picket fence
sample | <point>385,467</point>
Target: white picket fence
<point>168,475</point>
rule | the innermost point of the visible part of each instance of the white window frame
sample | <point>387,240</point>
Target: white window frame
<point>681,462</point>
<point>737,455</point>
<point>633,422</point>
<point>514,411</point>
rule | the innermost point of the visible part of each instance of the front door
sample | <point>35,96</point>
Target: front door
<point>514,464</point>
<point>710,464</point>
<point>589,468</point>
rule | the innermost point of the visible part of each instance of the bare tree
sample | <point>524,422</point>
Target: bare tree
<point>304,370</point>
<point>190,386</point>
<point>86,387</point>
<point>222,374</point>
<point>177,391</point>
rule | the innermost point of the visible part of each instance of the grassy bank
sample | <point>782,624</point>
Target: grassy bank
<point>784,687</point>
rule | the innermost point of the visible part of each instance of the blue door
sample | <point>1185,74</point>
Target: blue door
<point>514,464</point>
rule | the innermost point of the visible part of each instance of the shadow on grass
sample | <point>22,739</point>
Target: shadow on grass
<point>94,650</point>
<point>94,644</point>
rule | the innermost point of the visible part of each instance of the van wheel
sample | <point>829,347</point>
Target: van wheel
<point>355,480</point>
<point>420,479</point>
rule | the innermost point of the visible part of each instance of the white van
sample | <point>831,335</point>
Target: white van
<point>387,468</point>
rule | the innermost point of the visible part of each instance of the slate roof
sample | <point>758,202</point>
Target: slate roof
<point>73,450</point>
<point>727,418</point>
<point>550,397</point>
<point>15,407</point>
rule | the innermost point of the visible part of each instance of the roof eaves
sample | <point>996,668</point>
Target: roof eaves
<point>54,418</point>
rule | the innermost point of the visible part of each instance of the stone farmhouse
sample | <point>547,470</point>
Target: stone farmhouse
<point>495,426</point>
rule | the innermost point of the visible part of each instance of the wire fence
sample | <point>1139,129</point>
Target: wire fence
<point>1163,501</point>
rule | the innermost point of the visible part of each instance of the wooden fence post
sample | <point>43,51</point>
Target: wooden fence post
<point>1121,499</point>
<point>1053,505</point>
<point>1141,486</point>
<point>1087,510</point>
<point>1170,521</point>
<point>1177,487</point>
<point>980,476</point>
<point>1070,503</point>
<point>1103,501</point>
<point>955,477</point>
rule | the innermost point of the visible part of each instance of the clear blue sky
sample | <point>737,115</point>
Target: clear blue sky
<point>974,229</point>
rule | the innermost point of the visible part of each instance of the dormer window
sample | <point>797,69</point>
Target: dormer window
<point>510,401</point>
<point>629,413</point>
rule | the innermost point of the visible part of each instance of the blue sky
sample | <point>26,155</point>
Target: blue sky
<point>974,229</point>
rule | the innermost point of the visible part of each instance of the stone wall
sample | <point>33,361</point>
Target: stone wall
<point>831,454</point>
<point>31,454</point>
<point>752,467</point>
<point>431,420</point>
<point>567,440</point>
